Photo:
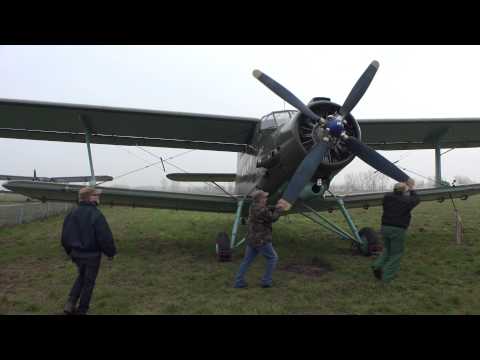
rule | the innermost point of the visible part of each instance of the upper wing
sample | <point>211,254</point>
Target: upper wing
<point>407,134</point>
<point>120,126</point>
<point>367,200</point>
<point>126,197</point>
<point>224,177</point>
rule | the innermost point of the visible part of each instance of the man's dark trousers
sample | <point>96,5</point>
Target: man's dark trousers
<point>394,247</point>
<point>83,287</point>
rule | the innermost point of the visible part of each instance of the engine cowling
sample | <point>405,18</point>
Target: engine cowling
<point>309,132</point>
<point>296,138</point>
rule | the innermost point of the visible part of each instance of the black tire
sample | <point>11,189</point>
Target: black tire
<point>224,252</point>
<point>373,241</point>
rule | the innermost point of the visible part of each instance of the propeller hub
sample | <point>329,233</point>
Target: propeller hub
<point>335,125</point>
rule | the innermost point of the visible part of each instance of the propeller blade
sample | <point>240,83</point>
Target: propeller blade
<point>304,172</point>
<point>359,89</point>
<point>375,160</point>
<point>285,94</point>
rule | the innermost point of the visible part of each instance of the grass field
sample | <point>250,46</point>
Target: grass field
<point>11,198</point>
<point>166,265</point>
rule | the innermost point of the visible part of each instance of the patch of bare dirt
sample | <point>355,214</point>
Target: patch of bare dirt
<point>317,267</point>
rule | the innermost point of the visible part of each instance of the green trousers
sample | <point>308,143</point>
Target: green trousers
<point>394,245</point>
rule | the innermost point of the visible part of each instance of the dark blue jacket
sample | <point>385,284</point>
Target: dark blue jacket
<point>397,208</point>
<point>86,232</point>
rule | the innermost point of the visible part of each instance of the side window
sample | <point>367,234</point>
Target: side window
<point>268,122</point>
<point>282,117</point>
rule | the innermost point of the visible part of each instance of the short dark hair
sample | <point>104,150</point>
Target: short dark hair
<point>258,195</point>
<point>85,193</point>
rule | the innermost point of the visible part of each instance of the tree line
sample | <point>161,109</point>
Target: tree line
<point>365,181</point>
<point>373,181</point>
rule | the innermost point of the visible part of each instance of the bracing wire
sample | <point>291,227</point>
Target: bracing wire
<point>400,159</point>
<point>130,172</point>
<point>404,156</point>
<point>205,182</point>
<point>144,167</point>
<point>186,172</point>
<point>162,161</point>
<point>181,154</point>
<point>447,151</point>
<point>435,182</point>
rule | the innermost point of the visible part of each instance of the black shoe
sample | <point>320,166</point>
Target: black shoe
<point>69,308</point>
<point>266,286</point>
<point>378,273</point>
<point>243,286</point>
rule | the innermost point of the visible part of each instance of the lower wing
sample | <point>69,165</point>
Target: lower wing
<point>214,203</point>
<point>366,200</point>
<point>127,197</point>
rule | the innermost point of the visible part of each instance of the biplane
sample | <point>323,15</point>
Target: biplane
<point>292,154</point>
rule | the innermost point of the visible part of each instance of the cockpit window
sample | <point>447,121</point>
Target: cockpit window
<point>282,117</point>
<point>276,118</point>
<point>268,122</point>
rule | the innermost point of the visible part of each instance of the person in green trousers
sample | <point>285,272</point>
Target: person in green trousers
<point>397,207</point>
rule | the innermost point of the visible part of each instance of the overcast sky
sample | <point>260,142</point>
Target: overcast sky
<point>412,82</point>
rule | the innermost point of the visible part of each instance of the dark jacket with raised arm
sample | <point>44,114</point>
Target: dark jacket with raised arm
<point>397,208</point>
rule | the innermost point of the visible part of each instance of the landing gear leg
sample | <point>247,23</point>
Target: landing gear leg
<point>361,240</point>
<point>224,247</point>
<point>358,243</point>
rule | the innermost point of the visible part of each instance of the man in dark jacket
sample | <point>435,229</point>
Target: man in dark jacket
<point>395,221</point>
<point>85,236</point>
<point>259,238</point>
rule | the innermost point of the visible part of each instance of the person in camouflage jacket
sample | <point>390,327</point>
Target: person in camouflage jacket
<point>259,238</point>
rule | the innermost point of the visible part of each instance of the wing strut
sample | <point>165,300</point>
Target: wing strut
<point>88,141</point>
<point>438,165</point>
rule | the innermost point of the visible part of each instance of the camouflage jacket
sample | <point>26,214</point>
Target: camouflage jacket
<point>260,221</point>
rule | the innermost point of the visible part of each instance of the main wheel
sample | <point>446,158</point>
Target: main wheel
<point>224,252</point>
<point>372,242</point>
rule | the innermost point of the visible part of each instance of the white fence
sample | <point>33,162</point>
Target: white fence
<point>20,213</point>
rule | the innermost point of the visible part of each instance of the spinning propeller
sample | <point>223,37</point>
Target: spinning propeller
<point>329,130</point>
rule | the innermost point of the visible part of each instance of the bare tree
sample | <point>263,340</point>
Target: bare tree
<point>366,181</point>
<point>351,183</point>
